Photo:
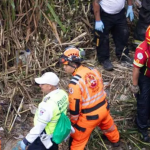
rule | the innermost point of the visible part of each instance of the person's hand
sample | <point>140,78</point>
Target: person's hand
<point>19,145</point>
<point>130,13</point>
<point>22,145</point>
<point>135,89</point>
<point>99,25</point>
<point>71,132</point>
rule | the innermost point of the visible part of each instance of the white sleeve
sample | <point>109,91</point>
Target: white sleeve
<point>44,115</point>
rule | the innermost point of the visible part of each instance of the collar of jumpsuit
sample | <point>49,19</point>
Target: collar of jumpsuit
<point>75,71</point>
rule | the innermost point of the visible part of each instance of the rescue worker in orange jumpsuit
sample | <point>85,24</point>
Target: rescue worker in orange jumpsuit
<point>87,101</point>
<point>141,85</point>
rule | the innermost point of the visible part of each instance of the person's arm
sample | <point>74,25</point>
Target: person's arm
<point>99,26</point>
<point>44,115</point>
<point>96,8</point>
<point>136,72</point>
<point>74,102</point>
<point>129,2</point>
<point>34,133</point>
<point>130,10</point>
<point>139,61</point>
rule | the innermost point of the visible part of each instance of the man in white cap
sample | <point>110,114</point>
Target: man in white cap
<point>47,114</point>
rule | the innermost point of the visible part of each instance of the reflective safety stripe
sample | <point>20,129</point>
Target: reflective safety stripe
<point>80,86</point>
<point>86,90</point>
<point>112,128</point>
<point>100,79</point>
<point>77,82</point>
<point>74,117</point>
<point>94,98</point>
<point>88,96</point>
<point>137,42</point>
<point>140,47</point>
<point>77,77</point>
<point>52,121</point>
<point>93,101</point>
<point>97,95</point>
<point>88,110</point>
<point>40,120</point>
<point>145,72</point>
<point>146,54</point>
<point>74,80</point>
<point>89,99</point>
<point>148,39</point>
<point>137,64</point>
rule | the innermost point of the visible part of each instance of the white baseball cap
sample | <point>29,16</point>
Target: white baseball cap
<point>48,78</point>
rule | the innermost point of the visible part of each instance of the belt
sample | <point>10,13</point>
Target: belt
<point>88,110</point>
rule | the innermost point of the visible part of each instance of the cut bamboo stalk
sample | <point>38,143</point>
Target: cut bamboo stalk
<point>11,100</point>
<point>20,106</point>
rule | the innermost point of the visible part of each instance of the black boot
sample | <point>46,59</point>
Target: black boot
<point>144,135</point>
<point>107,65</point>
<point>126,59</point>
<point>117,144</point>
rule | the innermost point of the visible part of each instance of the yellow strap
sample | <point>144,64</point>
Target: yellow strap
<point>145,71</point>
<point>137,42</point>
<point>137,64</point>
<point>146,54</point>
<point>97,42</point>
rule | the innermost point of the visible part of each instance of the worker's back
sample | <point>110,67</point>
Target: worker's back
<point>89,82</point>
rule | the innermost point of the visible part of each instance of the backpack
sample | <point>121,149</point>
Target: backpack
<point>62,129</point>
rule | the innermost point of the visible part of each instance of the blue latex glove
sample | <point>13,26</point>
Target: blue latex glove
<point>130,13</point>
<point>21,145</point>
<point>99,26</point>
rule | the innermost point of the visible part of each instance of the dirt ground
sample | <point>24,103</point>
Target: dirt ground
<point>122,106</point>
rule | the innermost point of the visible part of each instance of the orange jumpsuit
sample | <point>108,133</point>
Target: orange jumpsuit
<point>89,108</point>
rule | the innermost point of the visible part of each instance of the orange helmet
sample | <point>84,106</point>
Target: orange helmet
<point>72,54</point>
<point>147,35</point>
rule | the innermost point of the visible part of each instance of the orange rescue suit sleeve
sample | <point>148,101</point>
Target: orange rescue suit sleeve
<point>74,102</point>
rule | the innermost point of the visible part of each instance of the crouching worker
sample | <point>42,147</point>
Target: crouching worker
<point>87,101</point>
<point>47,114</point>
<point>141,85</point>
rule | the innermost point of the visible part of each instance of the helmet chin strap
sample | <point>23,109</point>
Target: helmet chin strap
<point>72,65</point>
<point>75,68</point>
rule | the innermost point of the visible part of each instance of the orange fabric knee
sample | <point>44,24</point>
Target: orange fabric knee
<point>109,129</point>
<point>80,139</point>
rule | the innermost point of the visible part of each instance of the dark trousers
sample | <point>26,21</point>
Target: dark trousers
<point>38,145</point>
<point>117,25</point>
<point>143,102</point>
<point>143,22</point>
